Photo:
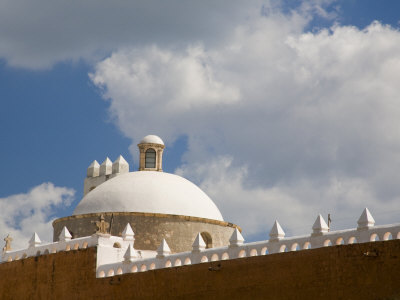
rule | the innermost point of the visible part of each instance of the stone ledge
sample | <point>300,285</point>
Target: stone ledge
<point>157,215</point>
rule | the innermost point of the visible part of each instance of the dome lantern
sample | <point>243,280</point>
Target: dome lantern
<point>151,149</point>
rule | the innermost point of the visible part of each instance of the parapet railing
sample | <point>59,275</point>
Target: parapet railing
<point>36,249</point>
<point>116,255</point>
<point>239,250</point>
<point>103,240</point>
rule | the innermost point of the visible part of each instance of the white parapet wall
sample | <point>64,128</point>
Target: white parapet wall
<point>342,237</point>
<point>117,255</point>
<point>320,237</point>
<point>47,248</point>
<point>110,249</point>
<point>104,242</point>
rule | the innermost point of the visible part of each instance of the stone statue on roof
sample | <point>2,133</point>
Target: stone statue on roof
<point>8,239</point>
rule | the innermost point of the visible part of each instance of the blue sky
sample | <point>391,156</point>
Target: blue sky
<point>67,99</point>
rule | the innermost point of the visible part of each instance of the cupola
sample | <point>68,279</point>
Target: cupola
<point>151,149</point>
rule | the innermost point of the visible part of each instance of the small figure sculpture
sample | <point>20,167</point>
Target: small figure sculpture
<point>102,225</point>
<point>8,241</point>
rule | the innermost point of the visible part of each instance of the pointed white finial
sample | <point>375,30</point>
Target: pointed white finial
<point>120,165</point>
<point>130,254</point>
<point>236,238</point>
<point>320,226</point>
<point>276,232</point>
<point>163,249</point>
<point>198,244</point>
<point>366,220</point>
<point>35,240</point>
<point>128,234</point>
<point>106,167</point>
<point>94,169</point>
<point>65,235</point>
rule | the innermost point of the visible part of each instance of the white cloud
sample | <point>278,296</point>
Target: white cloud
<point>295,206</point>
<point>169,85</point>
<point>41,33</point>
<point>300,114</point>
<point>23,214</point>
<point>252,208</point>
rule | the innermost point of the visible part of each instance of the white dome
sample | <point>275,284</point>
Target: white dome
<point>151,192</point>
<point>152,139</point>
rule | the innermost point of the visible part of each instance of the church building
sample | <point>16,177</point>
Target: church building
<point>148,234</point>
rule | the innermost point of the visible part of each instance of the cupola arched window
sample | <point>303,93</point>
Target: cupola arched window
<point>151,150</point>
<point>150,159</point>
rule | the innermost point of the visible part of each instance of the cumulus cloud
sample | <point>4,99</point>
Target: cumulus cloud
<point>253,208</point>
<point>295,206</point>
<point>34,211</point>
<point>168,84</point>
<point>305,122</point>
<point>41,33</point>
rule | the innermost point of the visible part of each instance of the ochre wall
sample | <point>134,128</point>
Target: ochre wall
<point>150,228</point>
<point>339,272</point>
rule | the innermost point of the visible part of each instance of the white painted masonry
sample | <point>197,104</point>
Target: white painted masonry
<point>149,192</point>
<point>117,255</point>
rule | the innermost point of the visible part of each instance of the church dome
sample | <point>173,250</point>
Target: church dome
<point>149,192</point>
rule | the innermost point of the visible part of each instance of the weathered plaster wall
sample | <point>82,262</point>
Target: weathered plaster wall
<point>150,229</point>
<point>340,272</point>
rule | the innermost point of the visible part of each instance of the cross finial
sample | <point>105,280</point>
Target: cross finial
<point>329,222</point>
